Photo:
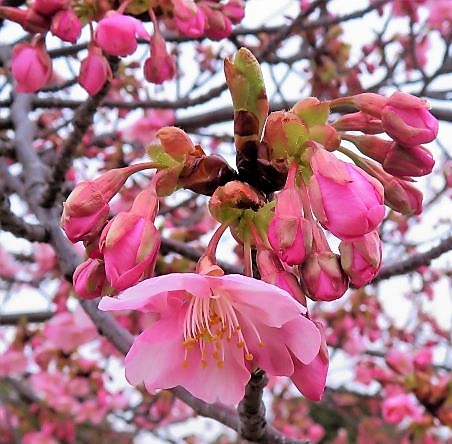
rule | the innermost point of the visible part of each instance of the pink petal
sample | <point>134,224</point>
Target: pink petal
<point>140,296</point>
<point>252,298</point>
<point>272,356</point>
<point>310,379</point>
<point>157,355</point>
<point>213,383</point>
<point>303,338</point>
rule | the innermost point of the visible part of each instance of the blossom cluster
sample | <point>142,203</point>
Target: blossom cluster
<point>208,326</point>
<point>116,34</point>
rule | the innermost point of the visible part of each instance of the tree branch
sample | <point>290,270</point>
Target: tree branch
<point>415,261</point>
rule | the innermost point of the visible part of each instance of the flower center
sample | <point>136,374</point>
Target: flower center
<point>208,323</point>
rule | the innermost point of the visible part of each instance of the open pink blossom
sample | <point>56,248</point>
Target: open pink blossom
<point>212,331</point>
<point>116,34</point>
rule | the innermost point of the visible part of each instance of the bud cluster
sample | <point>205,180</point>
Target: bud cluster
<point>116,34</point>
<point>121,251</point>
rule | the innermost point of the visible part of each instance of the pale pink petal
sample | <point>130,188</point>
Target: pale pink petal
<point>140,296</point>
<point>253,298</point>
<point>213,383</point>
<point>310,379</point>
<point>303,338</point>
<point>157,354</point>
<point>271,354</point>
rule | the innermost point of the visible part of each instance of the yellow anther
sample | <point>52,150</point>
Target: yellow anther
<point>249,356</point>
<point>203,363</point>
<point>220,364</point>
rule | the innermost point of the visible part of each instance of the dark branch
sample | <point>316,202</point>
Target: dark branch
<point>415,261</point>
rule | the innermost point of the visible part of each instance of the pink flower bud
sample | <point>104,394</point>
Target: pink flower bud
<point>235,10</point>
<point>323,276</point>
<point>160,65</point>
<point>272,271</point>
<point>218,25</point>
<point>29,19</point>
<point>89,278</point>
<point>359,122</point>
<point>116,34</point>
<point>322,272</point>
<point>86,209</point>
<point>94,71</point>
<point>361,258</point>
<point>49,7</point>
<point>31,66</point>
<point>403,161</point>
<point>334,184</point>
<point>130,242</point>
<point>407,120</point>
<point>289,233</point>
<point>370,103</point>
<point>399,194</point>
<point>66,25</point>
<point>175,142</point>
<point>189,19</point>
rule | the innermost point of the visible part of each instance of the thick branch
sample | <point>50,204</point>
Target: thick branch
<point>17,226</point>
<point>415,261</point>
<point>83,118</point>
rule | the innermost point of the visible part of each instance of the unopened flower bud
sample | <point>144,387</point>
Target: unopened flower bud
<point>86,209</point>
<point>235,10</point>
<point>175,142</point>
<point>312,111</point>
<point>31,66</point>
<point>117,34</point>
<point>289,233</point>
<point>94,71</point>
<point>272,271</point>
<point>321,272</point>
<point>399,194</point>
<point>359,122</point>
<point>160,65</point>
<point>334,182</point>
<point>89,278</point>
<point>230,200</point>
<point>217,25</point>
<point>407,120</point>
<point>189,18</point>
<point>130,242</point>
<point>361,258</point>
<point>403,161</point>
<point>66,25</point>
<point>285,135</point>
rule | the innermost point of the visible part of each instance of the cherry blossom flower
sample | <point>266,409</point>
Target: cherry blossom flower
<point>212,331</point>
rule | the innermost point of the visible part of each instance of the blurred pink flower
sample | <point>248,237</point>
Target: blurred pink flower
<point>399,407</point>
<point>67,331</point>
<point>145,128</point>
<point>13,363</point>
<point>212,332</point>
